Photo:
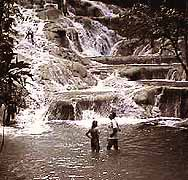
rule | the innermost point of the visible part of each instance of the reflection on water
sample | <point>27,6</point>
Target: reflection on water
<point>64,153</point>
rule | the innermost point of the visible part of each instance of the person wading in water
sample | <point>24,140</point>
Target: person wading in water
<point>113,135</point>
<point>93,134</point>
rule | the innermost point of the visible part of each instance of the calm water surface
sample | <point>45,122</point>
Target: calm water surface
<point>157,153</point>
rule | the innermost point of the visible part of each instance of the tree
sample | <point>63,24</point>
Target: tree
<point>164,24</point>
<point>172,27</point>
<point>177,4</point>
<point>12,71</point>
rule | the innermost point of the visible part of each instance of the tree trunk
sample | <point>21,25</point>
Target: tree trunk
<point>186,53</point>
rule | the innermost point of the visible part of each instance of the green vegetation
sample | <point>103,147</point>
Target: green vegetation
<point>12,71</point>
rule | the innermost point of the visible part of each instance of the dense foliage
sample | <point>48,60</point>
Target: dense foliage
<point>167,25</point>
<point>12,71</point>
<point>177,4</point>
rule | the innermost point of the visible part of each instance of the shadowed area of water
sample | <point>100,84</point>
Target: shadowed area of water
<point>148,152</point>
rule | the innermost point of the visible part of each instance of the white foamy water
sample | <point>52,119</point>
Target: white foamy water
<point>89,116</point>
<point>32,120</point>
<point>95,41</point>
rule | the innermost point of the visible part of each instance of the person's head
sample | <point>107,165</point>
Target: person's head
<point>94,124</point>
<point>112,115</point>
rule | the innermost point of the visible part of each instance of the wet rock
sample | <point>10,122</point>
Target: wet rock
<point>135,60</point>
<point>63,110</point>
<point>133,73</point>
<point>55,33</point>
<point>94,11</point>
<point>79,69</point>
<point>137,73</point>
<point>75,102</point>
<point>27,3</point>
<point>50,14</point>
<point>165,83</point>
<point>66,72</point>
<point>146,96</point>
<point>115,23</point>
<point>183,123</point>
<point>98,103</point>
<point>59,32</point>
<point>171,101</point>
<point>85,8</point>
<point>30,3</point>
<point>174,102</point>
<point>72,34</point>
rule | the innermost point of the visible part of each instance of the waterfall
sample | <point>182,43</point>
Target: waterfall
<point>87,38</point>
<point>92,38</point>
<point>173,74</point>
<point>155,110</point>
<point>32,120</point>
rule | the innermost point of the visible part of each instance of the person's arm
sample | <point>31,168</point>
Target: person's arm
<point>114,132</point>
<point>118,127</point>
<point>87,134</point>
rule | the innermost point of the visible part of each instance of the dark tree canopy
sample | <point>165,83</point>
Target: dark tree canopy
<point>177,4</point>
<point>170,26</point>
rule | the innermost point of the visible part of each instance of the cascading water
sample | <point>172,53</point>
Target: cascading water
<point>174,74</point>
<point>155,109</point>
<point>95,40</point>
<point>32,120</point>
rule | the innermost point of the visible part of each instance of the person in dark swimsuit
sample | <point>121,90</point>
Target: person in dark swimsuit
<point>93,134</point>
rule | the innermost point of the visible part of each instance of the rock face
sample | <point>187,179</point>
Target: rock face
<point>51,13</point>
<point>135,60</point>
<point>63,110</point>
<point>85,8</point>
<point>151,72</point>
<point>72,107</point>
<point>147,96</point>
<point>171,101</point>
<point>174,102</point>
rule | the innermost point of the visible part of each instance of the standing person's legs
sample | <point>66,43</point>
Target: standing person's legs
<point>110,143</point>
<point>115,144</point>
<point>97,146</point>
<point>92,145</point>
<point>7,119</point>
